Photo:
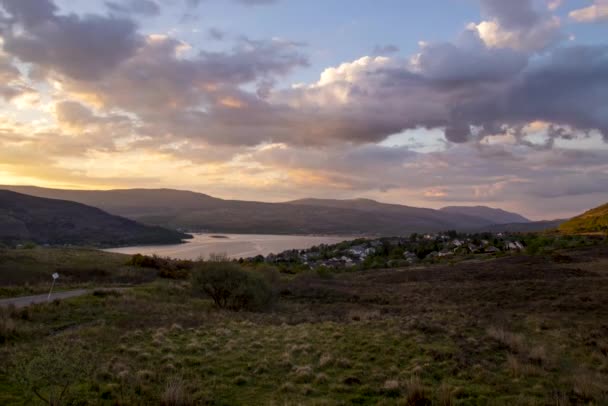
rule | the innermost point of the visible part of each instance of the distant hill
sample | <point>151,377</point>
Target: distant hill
<point>199,212</point>
<point>50,221</point>
<point>126,202</point>
<point>529,227</point>
<point>592,221</point>
<point>494,216</point>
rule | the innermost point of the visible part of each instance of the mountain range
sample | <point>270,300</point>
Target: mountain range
<point>192,211</point>
<point>25,218</point>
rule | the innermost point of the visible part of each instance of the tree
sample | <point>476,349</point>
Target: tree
<point>231,287</point>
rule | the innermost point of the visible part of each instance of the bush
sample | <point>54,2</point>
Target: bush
<point>231,287</point>
<point>8,327</point>
<point>167,268</point>
<point>49,371</point>
<point>144,261</point>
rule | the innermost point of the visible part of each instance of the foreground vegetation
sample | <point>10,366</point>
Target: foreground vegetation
<point>28,270</point>
<point>520,329</point>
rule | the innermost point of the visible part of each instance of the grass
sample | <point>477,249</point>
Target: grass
<point>28,271</point>
<point>515,330</point>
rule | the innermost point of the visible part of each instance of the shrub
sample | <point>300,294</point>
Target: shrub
<point>167,268</point>
<point>7,325</point>
<point>175,274</point>
<point>144,261</point>
<point>231,287</point>
<point>48,372</point>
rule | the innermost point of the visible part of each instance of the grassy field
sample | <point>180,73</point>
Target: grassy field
<point>517,330</point>
<point>28,271</point>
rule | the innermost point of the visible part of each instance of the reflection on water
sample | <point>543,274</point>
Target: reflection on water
<point>234,245</point>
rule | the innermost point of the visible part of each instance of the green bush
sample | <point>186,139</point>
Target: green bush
<point>48,372</point>
<point>231,287</point>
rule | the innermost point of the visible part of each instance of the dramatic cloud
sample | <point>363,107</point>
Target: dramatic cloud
<point>506,111</point>
<point>80,47</point>
<point>465,88</point>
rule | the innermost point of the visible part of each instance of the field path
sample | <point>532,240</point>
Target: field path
<point>24,301</point>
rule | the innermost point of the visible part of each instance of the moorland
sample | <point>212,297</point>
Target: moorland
<point>515,329</point>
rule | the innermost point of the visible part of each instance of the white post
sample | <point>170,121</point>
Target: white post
<point>55,276</point>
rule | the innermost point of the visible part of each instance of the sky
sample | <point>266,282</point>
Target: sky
<point>424,103</point>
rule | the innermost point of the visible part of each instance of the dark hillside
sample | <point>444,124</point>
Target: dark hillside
<point>48,221</point>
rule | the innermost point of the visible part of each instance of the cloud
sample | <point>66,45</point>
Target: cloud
<point>468,90</point>
<point>517,24</point>
<point>76,118</point>
<point>512,14</point>
<point>553,5</point>
<point>147,8</point>
<point>198,97</point>
<point>506,98</point>
<point>84,48</point>
<point>30,13</point>
<point>216,34</point>
<point>380,50</point>
<point>196,3</point>
<point>256,2</point>
<point>597,12</point>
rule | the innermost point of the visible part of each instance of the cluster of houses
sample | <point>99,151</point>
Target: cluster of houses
<point>397,251</point>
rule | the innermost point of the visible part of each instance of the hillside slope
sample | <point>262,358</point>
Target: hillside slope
<point>495,216</point>
<point>50,221</point>
<point>528,227</point>
<point>592,221</point>
<point>200,212</point>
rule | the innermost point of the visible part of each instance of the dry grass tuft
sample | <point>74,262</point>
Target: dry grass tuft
<point>240,380</point>
<point>144,357</point>
<point>514,342</point>
<point>445,395</point>
<point>176,394</point>
<point>587,387</point>
<point>194,346</point>
<point>321,378</point>
<point>288,387</point>
<point>362,315</point>
<point>123,375</point>
<point>519,368</point>
<point>144,375</point>
<point>303,374</point>
<point>417,394</point>
<point>391,385</point>
<point>325,360</point>
<point>538,355</point>
<point>344,363</point>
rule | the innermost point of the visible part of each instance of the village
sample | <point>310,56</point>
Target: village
<point>370,253</point>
